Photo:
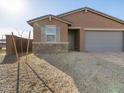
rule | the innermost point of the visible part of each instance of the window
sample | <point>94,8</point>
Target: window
<point>50,32</point>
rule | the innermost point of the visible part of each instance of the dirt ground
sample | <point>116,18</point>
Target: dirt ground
<point>36,77</point>
<point>92,72</point>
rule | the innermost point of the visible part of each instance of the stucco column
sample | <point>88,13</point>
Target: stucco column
<point>82,40</point>
<point>64,34</point>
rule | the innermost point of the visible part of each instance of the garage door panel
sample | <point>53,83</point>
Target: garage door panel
<point>104,41</point>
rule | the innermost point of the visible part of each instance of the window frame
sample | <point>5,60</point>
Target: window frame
<point>47,33</point>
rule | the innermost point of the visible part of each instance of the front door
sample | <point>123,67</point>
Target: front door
<point>71,38</point>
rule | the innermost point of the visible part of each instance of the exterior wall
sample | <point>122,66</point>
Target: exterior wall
<point>36,33</point>
<point>37,46</point>
<point>80,19</point>
<point>50,47</point>
<point>90,20</point>
<point>63,29</point>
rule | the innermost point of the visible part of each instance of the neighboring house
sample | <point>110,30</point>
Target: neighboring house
<point>2,43</point>
<point>83,29</point>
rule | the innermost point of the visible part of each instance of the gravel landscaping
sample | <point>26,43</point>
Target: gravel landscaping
<point>8,73</point>
<point>91,73</point>
<point>57,80</point>
<point>116,58</point>
<point>36,77</point>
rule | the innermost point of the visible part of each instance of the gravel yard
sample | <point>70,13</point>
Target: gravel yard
<point>91,72</point>
<point>27,81</point>
<point>8,73</point>
<point>116,58</point>
<point>36,77</point>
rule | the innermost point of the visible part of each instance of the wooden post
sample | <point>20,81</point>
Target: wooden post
<point>15,48</point>
<point>26,61</point>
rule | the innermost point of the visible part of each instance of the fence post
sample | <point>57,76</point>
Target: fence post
<point>14,43</point>
<point>26,61</point>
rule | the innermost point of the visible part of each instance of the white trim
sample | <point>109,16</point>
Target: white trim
<point>50,18</point>
<point>103,29</point>
<point>39,19</point>
<point>86,10</point>
<point>53,34</point>
<point>32,21</point>
<point>71,12</point>
<point>50,42</point>
<point>61,20</point>
<point>74,27</point>
<point>108,16</point>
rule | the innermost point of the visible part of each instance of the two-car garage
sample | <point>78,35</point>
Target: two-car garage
<point>104,41</point>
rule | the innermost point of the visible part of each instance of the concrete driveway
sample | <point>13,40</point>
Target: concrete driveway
<point>92,72</point>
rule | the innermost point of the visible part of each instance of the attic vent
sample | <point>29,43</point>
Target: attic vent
<point>85,10</point>
<point>50,18</point>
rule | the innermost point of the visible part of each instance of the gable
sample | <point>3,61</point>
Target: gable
<point>46,21</point>
<point>91,10</point>
<point>49,17</point>
<point>37,29</point>
<point>92,19</point>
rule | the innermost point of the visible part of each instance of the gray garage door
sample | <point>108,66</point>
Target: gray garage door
<point>104,41</point>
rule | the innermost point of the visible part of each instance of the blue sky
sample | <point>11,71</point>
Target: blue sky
<point>35,8</point>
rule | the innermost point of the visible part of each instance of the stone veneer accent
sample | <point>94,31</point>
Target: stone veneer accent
<point>58,47</point>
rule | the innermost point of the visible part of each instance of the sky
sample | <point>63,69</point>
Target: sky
<point>15,13</point>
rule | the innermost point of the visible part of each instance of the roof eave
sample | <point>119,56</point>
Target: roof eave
<point>30,22</point>
<point>106,15</point>
<point>92,10</point>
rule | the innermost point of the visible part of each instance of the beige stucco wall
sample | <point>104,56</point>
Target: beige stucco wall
<point>80,19</point>
<point>38,45</point>
<point>63,29</point>
<point>90,20</point>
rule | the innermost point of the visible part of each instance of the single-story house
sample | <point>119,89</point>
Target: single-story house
<point>84,29</point>
<point>2,43</point>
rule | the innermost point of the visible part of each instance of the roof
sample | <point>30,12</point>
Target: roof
<point>94,11</point>
<point>48,16</point>
<point>59,17</point>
